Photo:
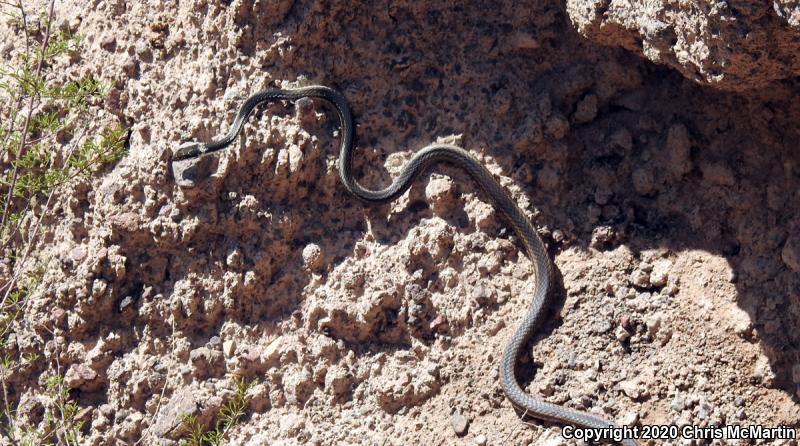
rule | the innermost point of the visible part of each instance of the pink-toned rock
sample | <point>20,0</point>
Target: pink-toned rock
<point>79,374</point>
<point>791,253</point>
<point>734,45</point>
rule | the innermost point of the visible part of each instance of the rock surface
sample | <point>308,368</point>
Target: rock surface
<point>670,211</point>
<point>733,45</point>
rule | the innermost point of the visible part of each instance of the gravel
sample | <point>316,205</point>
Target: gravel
<point>460,424</point>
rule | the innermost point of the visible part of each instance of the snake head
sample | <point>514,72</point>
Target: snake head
<point>188,166</point>
<point>189,149</point>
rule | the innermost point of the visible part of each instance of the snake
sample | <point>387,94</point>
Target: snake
<point>421,161</point>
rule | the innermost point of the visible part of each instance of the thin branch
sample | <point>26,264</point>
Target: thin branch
<point>25,27</point>
<point>521,421</point>
<point>19,266</point>
<point>7,406</point>
<point>15,230</point>
<point>10,284</point>
<point>22,146</point>
<point>163,389</point>
<point>55,186</point>
<point>21,95</point>
<point>60,393</point>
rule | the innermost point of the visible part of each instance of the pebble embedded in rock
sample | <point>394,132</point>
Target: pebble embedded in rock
<point>295,158</point>
<point>586,110</point>
<point>524,41</point>
<point>672,287</point>
<point>601,236</point>
<point>232,93</point>
<point>298,385</point>
<point>482,294</point>
<point>482,213</point>
<point>704,410</point>
<point>129,66</point>
<point>678,149</point>
<point>304,108</point>
<point>78,253</point>
<point>480,440</point>
<point>621,333</point>
<point>312,257</point>
<point>622,139</point>
<point>79,374</point>
<point>338,380</point>
<point>739,320</point>
<point>601,326</point>
<point>439,324</point>
<point>460,423</point>
<point>653,324</point>
<point>291,424</point>
<point>718,174</point>
<point>660,273</point>
<point>630,389</point>
<point>109,43</point>
<point>440,192</point>
<point>229,348</point>
<point>762,372</point>
<point>206,362</point>
<point>557,126</point>
<point>790,254</point>
<point>644,182</point>
<point>183,402</point>
<point>126,302</point>
<point>272,351</point>
<point>796,373</point>
<point>640,278</point>
<point>548,178</point>
<point>629,419</point>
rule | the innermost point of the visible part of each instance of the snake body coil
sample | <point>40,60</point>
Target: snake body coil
<point>422,160</point>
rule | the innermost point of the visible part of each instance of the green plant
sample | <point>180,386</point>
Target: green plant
<point>48,138</point>
<point>60,412</point>
<point>229,414</point>
<point>9,315</point>
<point>40,109</point>
<point>59,424</point>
